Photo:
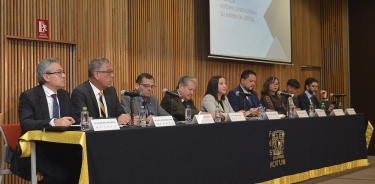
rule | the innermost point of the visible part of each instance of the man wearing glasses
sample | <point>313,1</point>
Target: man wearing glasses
<point>308,96</point>
<point>145,84</point>
<point>98,94</point>
<point>44,106</point>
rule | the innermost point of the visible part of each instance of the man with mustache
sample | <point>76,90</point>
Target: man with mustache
<point>98,94</point>
<point>308,96</point>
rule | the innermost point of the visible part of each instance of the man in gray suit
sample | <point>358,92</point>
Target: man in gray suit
<point>145,84</point>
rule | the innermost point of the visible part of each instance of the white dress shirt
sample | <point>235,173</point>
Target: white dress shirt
<point>49,98</point>
<point>96,92</point>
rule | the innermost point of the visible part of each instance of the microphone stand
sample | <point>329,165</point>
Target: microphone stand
<point>131,110</point>
<point>244,103</point>
<point>171,105</point>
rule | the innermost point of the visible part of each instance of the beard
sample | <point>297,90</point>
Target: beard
<point>312,92</point>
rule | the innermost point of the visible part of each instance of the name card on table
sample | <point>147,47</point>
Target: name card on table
<point>302,114</point>
<point>272,115</point>
<point>320,113</point>
<point>162,121</point>
<point>350,111</point>
<point>104,124</point>
<point>203,119</point>
<point>235,117</point>
<point>337,112</point>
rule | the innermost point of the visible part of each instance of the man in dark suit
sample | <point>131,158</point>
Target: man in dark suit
<point>144,84</point>
<point>42,106</point>
<point>308,96</point>
<point>247,84</point>
<point>291,87</point>
<point>98,94</point>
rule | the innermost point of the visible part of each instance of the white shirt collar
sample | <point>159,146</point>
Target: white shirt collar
<point>95,89</point>
<point>48,91</point>
<point>308,94</point>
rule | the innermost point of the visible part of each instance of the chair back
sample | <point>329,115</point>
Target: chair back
<point>11,134</point>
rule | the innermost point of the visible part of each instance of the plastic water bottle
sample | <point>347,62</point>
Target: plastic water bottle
<point>291,110</point>
<point>142,117</point>
<point>339,106</point>
<point>311,110</point>
<point>187,115</point>
<point>260,112</point>
<point>323,107</point>
<point>217,113</point>
<point>84,119</point>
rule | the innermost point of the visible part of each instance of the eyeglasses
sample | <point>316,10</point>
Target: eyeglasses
<point>314,86</point>
<point>148,86</point>
<point>273,84</point>
<point>60,73</point>
<point>109,72</point>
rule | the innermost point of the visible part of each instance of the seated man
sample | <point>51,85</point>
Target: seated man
<point>185,87</point>
<point>308,96</point>
<point>42,106</point>
<point>98,94</point>
<point>247,84</point>
<point>145,84</point>
<point>291,87</point>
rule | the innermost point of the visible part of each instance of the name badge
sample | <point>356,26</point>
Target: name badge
<point>350,111</point>
<point>337,112</point>
<point>203,119</point>
<point>162,121</point>
<point>320,113</point>
<point>302,114</point>
<point>235,117</point>
<point>272,115</point>
<point>104,124</point>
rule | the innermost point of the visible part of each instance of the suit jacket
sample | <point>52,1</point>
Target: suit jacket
<point>178,107</point>
<point>304,101</point>
<point>237,101</point>
<point>209,105</point>
<point>152,105</point>
<point>83,96</point>
<point>284,99</point>
<point>34,114</point>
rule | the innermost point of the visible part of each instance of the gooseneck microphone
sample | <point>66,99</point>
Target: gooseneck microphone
<point>243,94</point>
<point>165,91</point>
<point>285,94</point>
<point>131,93</point>
<point>336,95</point>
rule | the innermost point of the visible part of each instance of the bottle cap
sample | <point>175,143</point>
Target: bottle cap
<point>310,103</point>
<point>260,104</point>
<point>142,107</point>
<point>84,108</point>
<point>291,103</point>
<point>187,106</point>
<point>322,103</point>
<point>217,105</point>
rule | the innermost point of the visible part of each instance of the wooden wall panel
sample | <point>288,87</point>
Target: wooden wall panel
<point>166,38</point>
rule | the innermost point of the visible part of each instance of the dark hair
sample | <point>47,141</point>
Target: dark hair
<point>266,90</point>
<point>143,75</point>
<point>245,74</point>
<point>309,81</point>
<point>212,87</point>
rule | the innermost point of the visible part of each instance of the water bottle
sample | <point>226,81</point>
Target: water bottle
<point>187,115</point>
<point>339,106</point>
<point>142,117</point>
<point>311,110</point>
<point>291,110</point>
<point>84,119</point>
<point>260,112</point>
<point>323,107</point>
<point>217,113</point>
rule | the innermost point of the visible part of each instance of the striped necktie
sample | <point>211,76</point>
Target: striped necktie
<point>102,108</point>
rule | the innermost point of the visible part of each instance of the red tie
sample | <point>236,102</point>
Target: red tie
<point>312,101</point>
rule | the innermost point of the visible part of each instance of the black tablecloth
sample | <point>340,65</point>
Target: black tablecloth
<point>238,152</point>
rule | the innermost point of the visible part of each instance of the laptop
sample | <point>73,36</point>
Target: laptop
<point>327,103</point>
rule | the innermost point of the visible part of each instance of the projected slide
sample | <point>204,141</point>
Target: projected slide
<point>251,29</point>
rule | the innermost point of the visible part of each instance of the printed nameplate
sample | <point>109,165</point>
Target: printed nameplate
<point>302,114</point>
<point>350,111</point>
<point>104,124</point>
<point>320,113</point>
<point>162,121</point>
<point>203,119</point>
<point>272,115</point>
<point>337,112</point>
<point>235,117</point>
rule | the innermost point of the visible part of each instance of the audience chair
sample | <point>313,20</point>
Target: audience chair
<point>11,133</point>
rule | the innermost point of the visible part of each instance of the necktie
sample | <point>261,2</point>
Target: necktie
<point>144,103</point>
<point>56,110</point>
<point>102,108</point>
<point>313,102</point>
<point>184,103</point>
<point>251,103</point>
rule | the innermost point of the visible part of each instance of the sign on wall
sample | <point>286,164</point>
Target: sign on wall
<point>43,29</point>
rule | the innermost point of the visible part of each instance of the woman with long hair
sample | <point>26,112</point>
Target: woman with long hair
<point>270,99</point>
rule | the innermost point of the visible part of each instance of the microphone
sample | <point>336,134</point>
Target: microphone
<point>243,94</point>
<point>131,93</point>
<point>165,91</point>
<point>285,94</point>
<point>336,95</point>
